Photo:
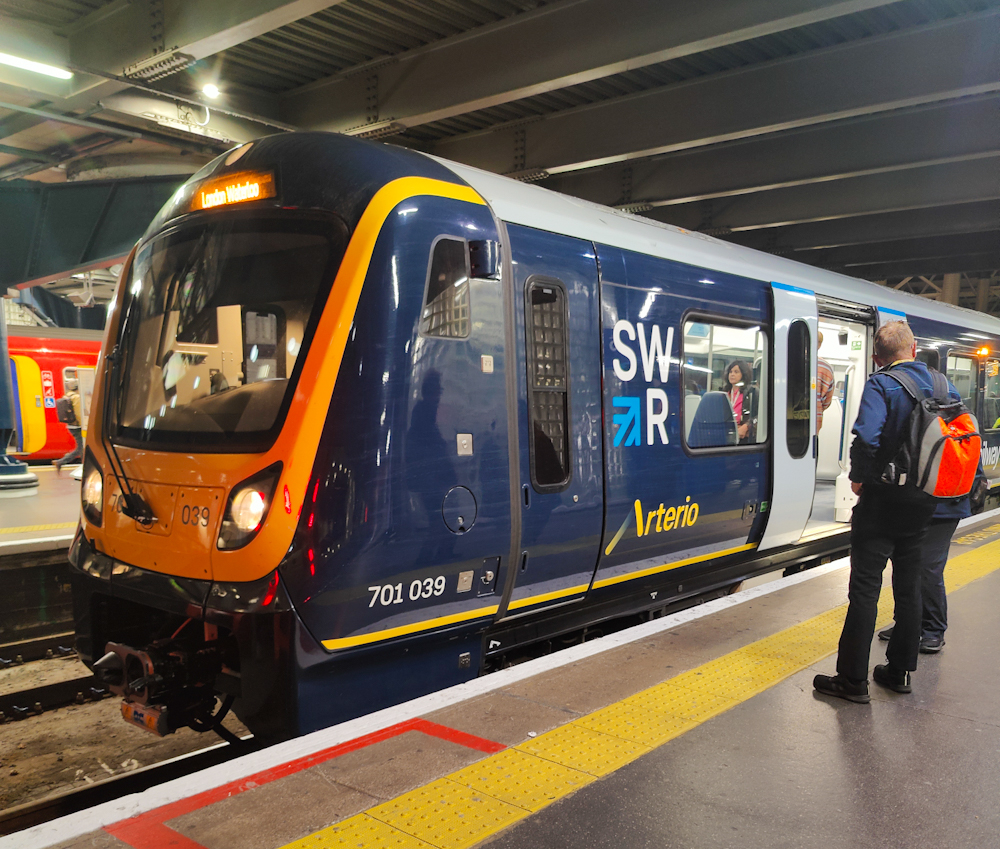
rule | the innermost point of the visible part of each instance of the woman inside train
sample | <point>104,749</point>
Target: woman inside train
<point>738,389</point>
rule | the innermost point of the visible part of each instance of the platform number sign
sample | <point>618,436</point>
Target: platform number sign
<point>48,390</point>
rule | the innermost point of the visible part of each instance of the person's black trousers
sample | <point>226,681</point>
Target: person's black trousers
<point>77,453</point>
<point>934,556</point>
<point>886,523</point>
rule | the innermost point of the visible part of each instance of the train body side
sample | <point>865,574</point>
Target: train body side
<point>53,354</point>
<point>476,456</point>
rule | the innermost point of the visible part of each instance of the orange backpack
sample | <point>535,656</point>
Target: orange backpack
<point>941,445</point>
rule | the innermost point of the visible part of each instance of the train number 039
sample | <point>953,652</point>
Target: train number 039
<point>195,515</point>
<point>386,594</point>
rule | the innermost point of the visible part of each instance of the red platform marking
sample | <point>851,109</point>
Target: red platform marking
<point>148,830</point>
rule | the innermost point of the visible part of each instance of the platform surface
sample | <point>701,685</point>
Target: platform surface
<point>45,520</point>
<point>696,730</point>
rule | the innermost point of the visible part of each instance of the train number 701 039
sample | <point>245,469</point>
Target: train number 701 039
<point>386,594</point>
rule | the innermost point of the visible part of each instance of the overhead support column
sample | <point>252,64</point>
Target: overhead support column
<point>950,290</point>
<point>983,294</point>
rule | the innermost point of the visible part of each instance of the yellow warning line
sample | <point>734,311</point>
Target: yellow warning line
<point>474,803</point>
<point>32,528</point>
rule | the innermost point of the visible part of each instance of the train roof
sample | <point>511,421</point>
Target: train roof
<point>534,206</point>
<point>43,333</point>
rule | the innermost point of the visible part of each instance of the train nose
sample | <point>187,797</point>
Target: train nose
<point>111,670</point>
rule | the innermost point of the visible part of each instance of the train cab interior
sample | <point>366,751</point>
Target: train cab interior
<point>845,347</point>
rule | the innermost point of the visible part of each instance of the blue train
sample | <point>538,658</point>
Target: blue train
<point>370,422</point>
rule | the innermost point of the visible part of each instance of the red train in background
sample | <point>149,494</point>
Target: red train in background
<point>41,359</point>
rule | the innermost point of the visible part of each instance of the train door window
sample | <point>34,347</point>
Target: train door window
<point>798,429</point>
<point>69,373</point>
<point>962,373</point>
<point>446,295</point>
<point>724,381</point>
<point>991,412</point>
<point>548,384</point>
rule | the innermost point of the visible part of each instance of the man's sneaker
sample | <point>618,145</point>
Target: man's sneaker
<point>931,645</point>
<point>894,679</point>
<point>886,633</point>
<point>842,688</point>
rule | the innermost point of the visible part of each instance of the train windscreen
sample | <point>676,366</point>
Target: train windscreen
<point>217,321</point>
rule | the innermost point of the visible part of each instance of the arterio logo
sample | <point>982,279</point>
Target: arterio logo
<point>655,357</point>
<point>657,521</point>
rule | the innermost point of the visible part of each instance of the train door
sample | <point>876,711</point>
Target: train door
<point>556,318</point>
<point>795,444</point>
<point>843,343</point>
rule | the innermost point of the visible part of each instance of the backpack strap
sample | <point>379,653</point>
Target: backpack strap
<point>908,383</point>
<point>941,389</point>
<point>939,384</point>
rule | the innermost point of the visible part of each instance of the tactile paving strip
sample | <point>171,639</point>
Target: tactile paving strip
<point>580,748</point>
<point>476,802</point>
<point>447,814</point>
<point>360,830</point>
<point>978,536</point>
<point>33,528</point>
<point>517,778</point>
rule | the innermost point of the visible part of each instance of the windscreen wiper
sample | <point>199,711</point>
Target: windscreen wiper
<point>134,506</point>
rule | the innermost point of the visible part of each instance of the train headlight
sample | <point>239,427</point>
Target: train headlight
<point>247,508</point>
<point>92,490</point>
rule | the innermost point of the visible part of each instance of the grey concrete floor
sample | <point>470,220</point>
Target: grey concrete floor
<point>790,768</point>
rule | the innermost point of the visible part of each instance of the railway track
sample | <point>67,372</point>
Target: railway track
<point>36,700</point>
<point>45,810</point>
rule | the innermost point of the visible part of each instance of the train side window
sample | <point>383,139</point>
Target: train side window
<point>991,411</point>
<point>799,421</point>
<point>69,373</point>
<point>548,384</point>
<point>445,312</point>
<point>961,371</point>
<point>724,379</point>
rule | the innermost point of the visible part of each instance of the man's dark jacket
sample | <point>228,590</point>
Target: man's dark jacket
<point>882,421</point>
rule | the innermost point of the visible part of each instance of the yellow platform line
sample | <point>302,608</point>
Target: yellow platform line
<point>474,803</point>
<point>33,528</point>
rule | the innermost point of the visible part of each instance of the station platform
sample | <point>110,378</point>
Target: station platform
<point>700,729</point>
<point>45,520</point>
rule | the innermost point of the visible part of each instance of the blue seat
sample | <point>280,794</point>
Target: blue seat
<point>714,424</point>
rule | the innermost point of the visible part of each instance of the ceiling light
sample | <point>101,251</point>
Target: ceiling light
<point>37,67</point>
<point>211,90</point>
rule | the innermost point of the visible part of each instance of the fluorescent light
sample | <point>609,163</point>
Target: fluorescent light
<point>210,90</point>
<point>37,67</point>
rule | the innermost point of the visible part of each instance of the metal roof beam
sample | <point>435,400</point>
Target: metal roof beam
<point>865,77</point>
<point>985,262</point>
<point>905,249</point>
<point>558,45</point>
<point>916,188</point>
<point>132,34</point>
<point>867,229</point>
<point>860,146</point>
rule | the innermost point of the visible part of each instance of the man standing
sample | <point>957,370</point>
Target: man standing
<point>824,383</point>
<point>934,556</point>
<point>888,521</point>
<point>73,419</point>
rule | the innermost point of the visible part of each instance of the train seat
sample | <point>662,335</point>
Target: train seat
<point>691,402</point>
<point>714,424</point>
